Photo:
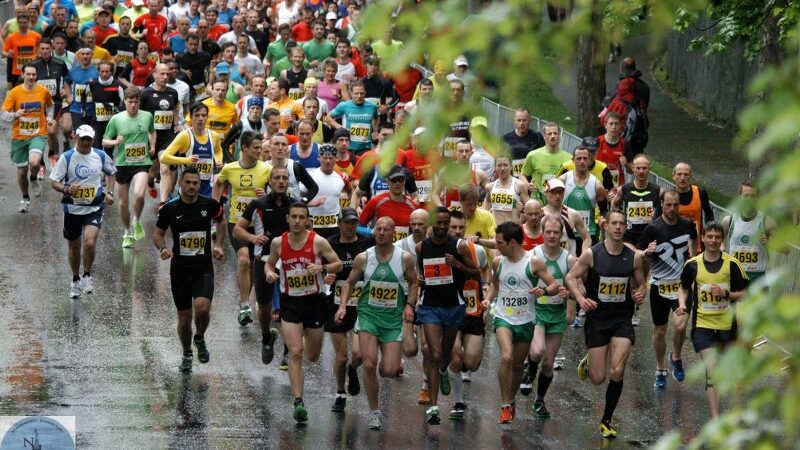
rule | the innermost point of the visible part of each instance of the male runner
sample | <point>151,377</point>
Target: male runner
<point>443,263</point>
<point>639,198</point>
<point>716,281</point>
<point>332,186</point>
<point>694,199</point>
<point>395,204</point>
<point>583,192</point>
<point>522,140</point>
<point>456,174</point>
<point>358,116</point>
<point>303,307</point>
<point>50,73</point>
<point>248,179</point>
<point>747,232</point>
<point>79,175</point>
<point>132,132</point>
<point>614,284</point>
<point>382,308</point>
<point>575,229</point>
<point>668,242</point>
<point>532,214</point>
<point>514,286</point>
<point>108,95</point>
<point>543,163</point>
<point>191,270</point>
<point>164,104</point>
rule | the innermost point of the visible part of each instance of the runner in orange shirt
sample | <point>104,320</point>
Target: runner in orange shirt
<point>20,48</point>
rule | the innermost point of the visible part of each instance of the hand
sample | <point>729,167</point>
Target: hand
<point>260,239</point>
<point>51,123</point>
<point>271,276</point>
<point>19,113</point>
<point>314,269</point>
<point>109,200</point>
<point>317,201</point>
<point>681,310</point>
<point>217,252</point>
<point>382,109</point>
<point>449,259</point>
<point>70,190</point>
<point>623,160</point>
<point>651,249</point>
<point>330,278</point>
<point>485,304</point>
<point>339,316</point>
<point>563,292</point>
<point>638,296</point>
<point>717,291</point>
<point>194,158</point>
<point>166,254</point>
<point>533,188</point>
<point>602,223</point>
<point>152,152</point>
<point>537,292</point>
<point>408,314</point>
<point>120,139</point>
<point>260,192</point>
<point>763,239</point>
<point>587,304</point>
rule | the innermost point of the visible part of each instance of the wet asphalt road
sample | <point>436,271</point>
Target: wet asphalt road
<point>111,359</point>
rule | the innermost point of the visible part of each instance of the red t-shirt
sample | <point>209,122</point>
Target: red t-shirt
<point>295,279</point>
<point>155,26</point>
<point>301,32</point>
<point>218,30</point>
<point>140,72</point>
<point>529,243</point>
<point>368,160</point>
<point>102,34</point>
<point>383,205</point>
<point>405,83</point>
<point>610,155</point>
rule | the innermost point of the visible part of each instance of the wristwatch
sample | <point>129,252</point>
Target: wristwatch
<point>324,270</point>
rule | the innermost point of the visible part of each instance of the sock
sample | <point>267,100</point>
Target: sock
<point>87,274</point>
<point>457,387</point>
<point>197,337</point>
<point>26,197</point>
<point>285,349</point>
<point>613,392</point>
<point>341,392</point>
<point>425,383</point>
<point>266,338</point>
<point>376,412</point>
<point>298,401</point>
<point>76,278</point>
<point>533,367</point>
<point>544,384</point>
<point>505,405</point>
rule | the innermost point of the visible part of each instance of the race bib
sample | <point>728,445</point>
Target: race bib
<point>355,294</point>
<point>454,206</point>
<point>135,153</point>
<point>586,216</point>
<point>84,195</point>
<point>436,271</point>
<point>296,93</point>
<point>424,188</point>
<point>640,213</point>
<point>471,300</point>
<point>516,166</point>
<point>668,288</point>
<point>51,86</point>
<point>162,120</point>
<point>328,221</point>
<point>449,145</point>
<point>102,113</point>
<point>515,306</point>
<point>711,303</point>
<point>29,126</point>
<point>300,283</point>
<point>344,202</point>
<point>124,58</point>
<point>502,201</point>
<point>614,177</point>
<point>359,132</point>
<point>612,289</point>
<point>238,205</point>
<point>80,90</point>
<point>383,294</point>
<point>551,299</point>
<point>205,167</point>
<point>400,233</point>
<point>192,243</point>
<point>748,257</point>
<point>199,89</point>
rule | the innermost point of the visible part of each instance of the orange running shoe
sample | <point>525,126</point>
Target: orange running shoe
<point>505,414</point>
<point>424,397</point>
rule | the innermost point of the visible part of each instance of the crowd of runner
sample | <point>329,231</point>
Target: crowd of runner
<point>270,126</point>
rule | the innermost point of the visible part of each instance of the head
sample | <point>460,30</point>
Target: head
<point>297,56</point>
<point>251,144</point>
<point>229,52</point>
<point>554,191</point>
<point>502,167</point>
<point>712,236</point>
<point>106,70</point>
<point>103,18</point>
<point>373,65</point>
<point>670,202</point>
<point>251,18</point>
<point>72,29</point>
<point>418,223</point>
<point>396,177</point>
<point>463,152</point>
<point>441,222</point>
<point>23,23</point>
<point>469,196</point>
<point>142,49</point>
<point>279,146</point>
<point>85,135</point>
<point>348,222</point>
<point>358,92</point>
<point>90,37</point>
<point>125,25</point>
<point>202,28</point>
<point>310,106</point>
<point>508,236</point>
<point>532,213</point>
<point>425,88</point>
<point>160,74</point>
<point>458,224</point>
<point>329,68</point>
<point>616,223</point>
<point>132,96</point>
<point>84,56</point>
<point>297,217</point>
<point>311,87</point>
<point>327,158</point>
<point>192,43</point>
<point>218,90</point>
<point>552,230</point>
<point>190,183</point>
<point>613,124</point>
<point>153,7</point>
<point>59,43</point>
<point>581,159</point>
<point>318,30</point>
<point>343,49</point>
<point>272,120</point>
<point>456,91</point>
<point>304,132</point>
<point>682,176</point>
<point>60,14</point>
<point>522,121</point>
<point>211,16</point>
<point>29,75</point>
<point>748,197</point>
<point>237,24</point>
<point>385,132</point>
<point>341,139</point>
<point>45,48</point>
<point>641,167</point>
<point>279,179</point>
<point>199,114</point>
<point>384,231</point>
<point>552,134</point>
<point>243,44</point>
<point>285,32</point>
<point>255,106</point>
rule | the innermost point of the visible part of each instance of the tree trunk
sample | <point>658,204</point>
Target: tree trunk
<point>772,54</point>
<point>591,74</point>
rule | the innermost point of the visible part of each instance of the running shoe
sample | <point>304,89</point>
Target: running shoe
<point>267,350</point>
<point>186,363</point>
<point>87,284</point>
<point>526,386</point>
<point>284,365</point>
<point>677,369</point>
<point>202,351</point>
<point>635,318</point>
<point>36,188</point>
<point>245,315</point>
<point>583,368</point>
<point>432,416</point>
<point>540,410</point>
<point>466,377</point>
<point>607,430</point>
<point>444,383</point>
<point>138,231</point>
<point>152,192</point>
<point>661,379</point>
<point>24,205</point>
<point>505,415</point>
<point>457,413</point>
<point>424,397</point>
<point>300,414</point>
<point>577,323</point>
<point>353,385</point>
<point>127,240</point>
<point>375,421</point>
<point>75,289</point>
<point>340,403</point>
<point>558,363</point>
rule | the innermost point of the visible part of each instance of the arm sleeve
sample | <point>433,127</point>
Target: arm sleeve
<point>366,214</point>
<point>707,210</point>
<point>337,112</point>
<point>162,222</point>
<point>363,182</point>
<point>180,142</point>
<point>739,280</point>
<point>111,129</point>
<point>232,135</point>
<point>688,275</point>
<point>302,176</point>
<point>248,212</point>
<point>608,181</point>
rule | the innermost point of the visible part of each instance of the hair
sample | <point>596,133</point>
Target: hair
<point>457,81</point>
<point>457,215</point>
<point>104,63</point>
<point>45,40</point>
<point>330,62</point>
<point>28,65</point>
<point>426,82</point>
<point>248,137</point>
<point>284,26</point>
<point>643,156</point>
<point>550,125</point>
<point>133,92</point>
<point>189,170</point>
<point>192,36</point>
<point>228,45</point>
<point>511,232</point>
<point>581,148</point>
<point>712,226</point>
<point>670,191</point>
<point>310,99</point>
<point>441,210</point>
<point>356,84</point>
<point>616,211</point>
<point>167,51</point>
<point>197,106</point>
<point>400,112</point>
<point>269,112</point>
<point>468,192</point>
<point>550,217</point>
<point>276,168</point>
<point>681,162</point>
<point>301,205</point>
<point>128,18</point>
<point>212,9</point>
<point>612,115</point>
<point>319,22</point>
<point>523,110</point>
<point>304,122</point>
<point>294,49</point>
<point>283,85</point>
<point>750,183</point>
<point>58,35</point>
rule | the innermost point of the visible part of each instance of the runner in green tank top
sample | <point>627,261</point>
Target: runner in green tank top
<point>382,308</point>
<point>584,192</point>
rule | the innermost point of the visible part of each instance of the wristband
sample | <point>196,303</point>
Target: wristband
<point>161,250</point>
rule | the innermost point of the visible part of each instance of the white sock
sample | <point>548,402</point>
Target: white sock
<point>457,386</point>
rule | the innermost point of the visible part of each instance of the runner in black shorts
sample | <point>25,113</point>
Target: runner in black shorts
<point>347,244</point>
<point>303,306</point>
<point>263,220</point>
<point>668,242</point>
<point>164,103</point>
<point>191,269</point>
<point>615,283</point>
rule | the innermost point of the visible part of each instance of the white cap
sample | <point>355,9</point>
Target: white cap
<point>461,60</point>
<point>331,16</point>
<point>85,131</point>
<point>554,183</point>
<point>418,131</point>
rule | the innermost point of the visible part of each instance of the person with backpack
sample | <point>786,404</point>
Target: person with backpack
<point>630,101</point>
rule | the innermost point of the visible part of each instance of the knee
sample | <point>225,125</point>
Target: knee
<point>369,365</point>
<point>74,244</point>
<point>471,364</point>
<point>244,262</point>
<point>617,373</point>
<point>391,371</point>
<point>89,243</point>
<point>597,378</point>
<point>660,332</point>
<point>506,359</point>
<point>201,309</point>
<point>313,357</point>
<point>434,355</point>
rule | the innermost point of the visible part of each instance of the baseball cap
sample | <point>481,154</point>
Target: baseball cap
<point>310,81</point>
<point>554,183</point>
<point>395,172</point>
<point>85,131</point>
<point>327,150</point>
<point>331,16</point>
<point>479,121</point>
<point>349,214</point>
<point>223,68</point>
<point>589,143</point>
<point>418,131</point>
<point>461,60</point>
<point>341,132</point>
<point>137,2</point>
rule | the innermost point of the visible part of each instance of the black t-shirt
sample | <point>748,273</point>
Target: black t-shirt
<point>261,38</point>
<point>162,105</point>
<point>606,284</point>
<point>347,252</point>
<point>430,263</point>
<point>644,200</point>
<point>268,217</point>
<point>51,71</point>
<point>196,64</point>
<point>124,47</point>
<point>522,145</point>
<point>210,47</point>
<point>672,246</point>
<point>191,228</point>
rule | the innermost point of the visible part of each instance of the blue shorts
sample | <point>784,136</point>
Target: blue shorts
<point>448,317</point>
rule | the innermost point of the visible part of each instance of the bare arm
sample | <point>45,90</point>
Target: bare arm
<point>574,281</point>
<point>579,226</point>
<point>334,264</point>
<point>355,275</point>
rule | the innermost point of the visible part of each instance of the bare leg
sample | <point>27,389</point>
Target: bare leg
<point>89,244</point>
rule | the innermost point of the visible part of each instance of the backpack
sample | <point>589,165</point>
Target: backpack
<point>636,125</point>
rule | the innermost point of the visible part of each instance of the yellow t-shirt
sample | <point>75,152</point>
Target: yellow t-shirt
<point>35,103</point>
<point>482,222</point>
<point>181,145</point>
<point>99,54</point>
<point>243,183</point>
<point>220,118</point>
<point>290,110</point>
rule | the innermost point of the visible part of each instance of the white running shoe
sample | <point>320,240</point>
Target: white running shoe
<point>75,289</point>
<point>87,284</point>
<point>24,205</point>
<point>36,187</point>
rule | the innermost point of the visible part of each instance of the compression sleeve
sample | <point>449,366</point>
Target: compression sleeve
<point>302,176</point>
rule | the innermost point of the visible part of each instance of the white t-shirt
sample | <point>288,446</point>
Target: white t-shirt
<point>251,62</point>
<point>483,160</point>
<point>230,36</point>
<point>86,172</point>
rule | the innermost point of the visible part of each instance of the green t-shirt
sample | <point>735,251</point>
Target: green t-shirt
<point>135,148</point>
<point>543,165</point>
<point>318,52</point>
<point>276,51</point>
<point>284,64</point>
